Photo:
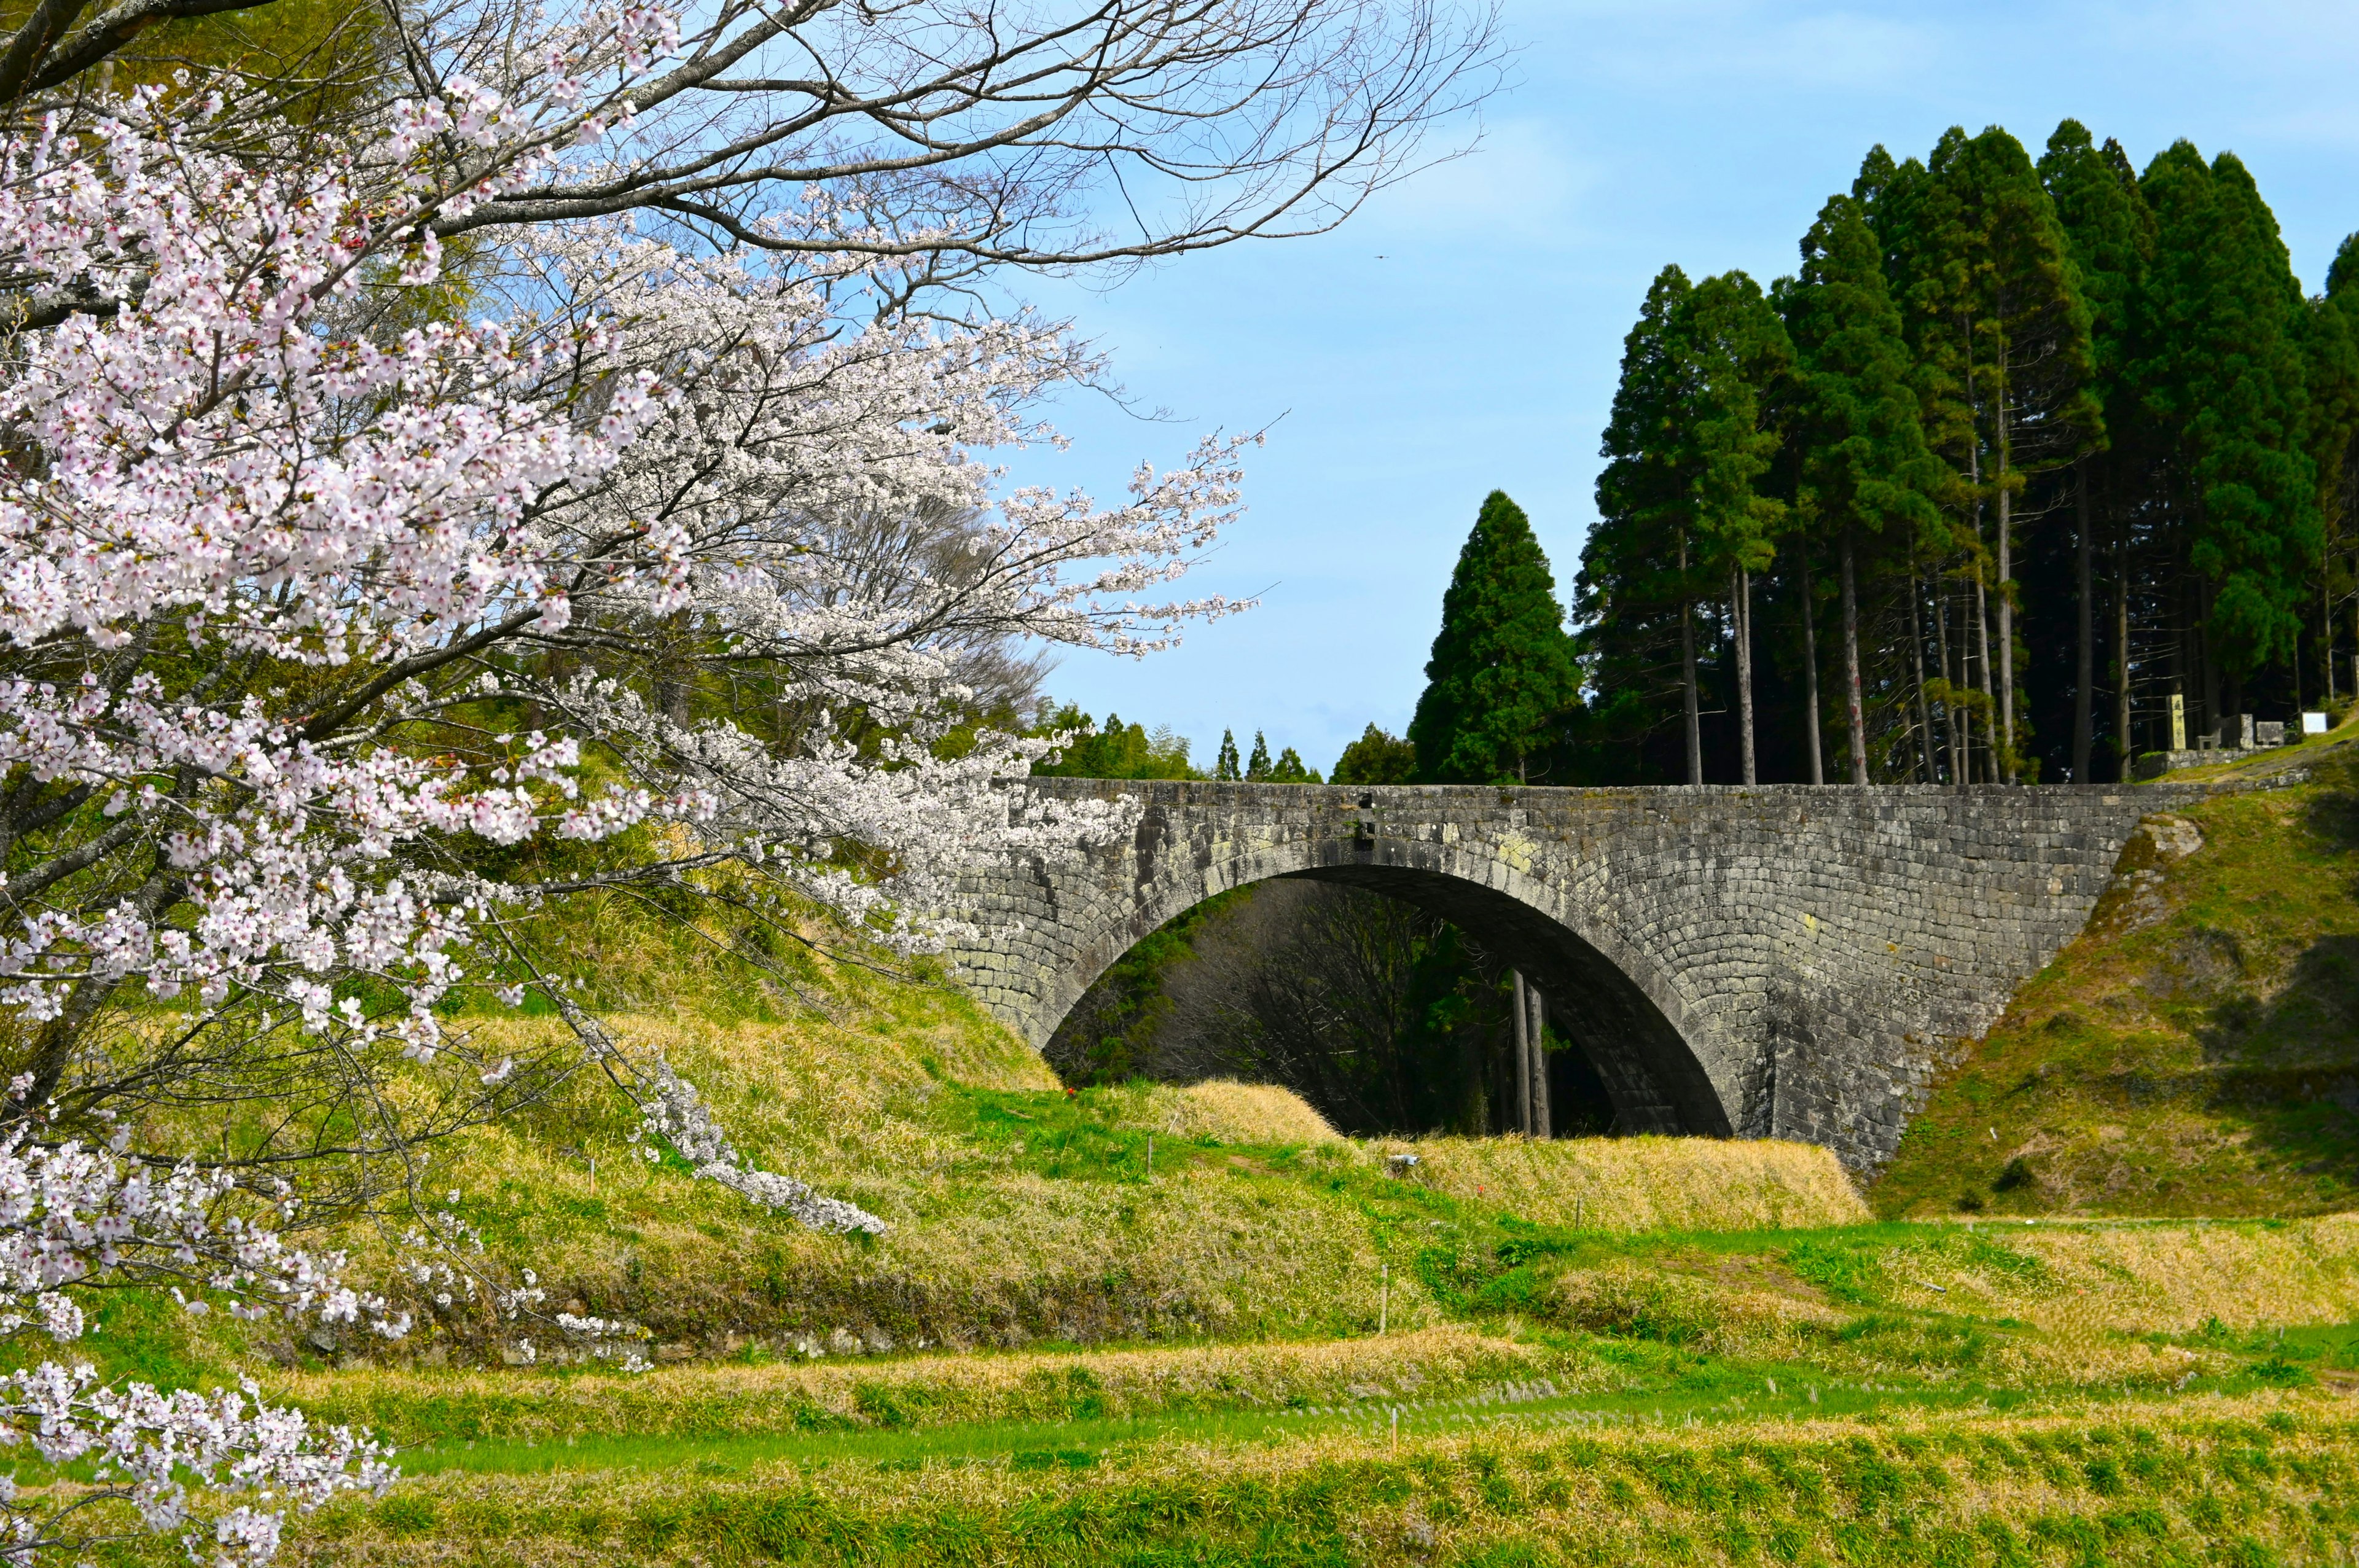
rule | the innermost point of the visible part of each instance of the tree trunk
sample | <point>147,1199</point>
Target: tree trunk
<point>2008,764</point>
<point>2214,716</point>
<point>1543,1119</point>
<point>1688,665</point>
<point>2326,633</point>
<point>1850,666</point>
<point>1917,656</point>
<point>1523,1058</point>
<point>2124,740</point>
<point>1982,609</point>
<point>1989,701</point>
<point>1950,703</point>
<point>1811,676</point>
<point>1964,684</point>
<point>2086,669</point>
<point>1740,598</point>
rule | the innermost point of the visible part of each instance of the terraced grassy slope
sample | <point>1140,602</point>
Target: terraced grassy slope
<point>2196,1051</point>
<point>2095,1391</point>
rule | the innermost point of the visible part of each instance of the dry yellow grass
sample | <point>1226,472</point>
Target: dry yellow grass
<point>1225,1112</point>
<point>1642,1183</point>
<point>411,1406</point>
<point>2167,1278</point>
<point>2263,1478</point>
<point>974,1256</point>
<point>1727,1318</point>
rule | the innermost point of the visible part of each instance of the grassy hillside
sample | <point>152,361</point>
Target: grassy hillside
<point>2196,1051</point>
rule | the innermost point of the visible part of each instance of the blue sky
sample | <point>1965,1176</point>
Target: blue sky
<point>1462,333</point>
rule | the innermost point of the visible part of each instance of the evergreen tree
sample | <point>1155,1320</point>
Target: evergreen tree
<point>1376,758</point>
<point>2225,377</point>
<point>1226,768</point>
<point>1257,765</point>
<point>1635,597</point>
<point>2041,411</point>
<point>1925,238</point>
<point>1864,468</point>
<point>2109,232</point>
<point>1502,676</point>
<point>1999,338</point>
<point>1732,350</point>
<point>1288,769</point>
<point>2334,375</point>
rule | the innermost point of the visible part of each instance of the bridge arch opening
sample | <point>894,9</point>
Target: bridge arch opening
<point>1622,1065</point>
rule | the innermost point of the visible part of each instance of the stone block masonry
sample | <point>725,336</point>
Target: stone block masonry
<point>1779,961</point>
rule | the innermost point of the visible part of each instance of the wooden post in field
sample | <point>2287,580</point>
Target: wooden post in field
<point>1523,1056</point>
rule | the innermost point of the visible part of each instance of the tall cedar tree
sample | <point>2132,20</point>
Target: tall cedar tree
<point>1919,222</point>
<point>1999,340</point>
<point>1863,467</point>
<point>2224,377</point>
<point>2331,370</point>
<point>1684,515</point>
<point>1635,596</point>
<point>1502,680</point>
<point>2041,412</point>
<point>2110,231</point>
<point>1732,352</point>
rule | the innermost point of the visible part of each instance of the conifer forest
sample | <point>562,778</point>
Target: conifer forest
<point>2025,450</point>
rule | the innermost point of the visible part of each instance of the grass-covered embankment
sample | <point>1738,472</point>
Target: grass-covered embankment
<point>2196,1050</point>
<point>1018,1212</point>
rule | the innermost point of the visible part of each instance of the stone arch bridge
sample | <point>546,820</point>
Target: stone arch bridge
<point>1791,961</point>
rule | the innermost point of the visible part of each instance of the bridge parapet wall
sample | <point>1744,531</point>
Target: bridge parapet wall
<point>1784,960</point>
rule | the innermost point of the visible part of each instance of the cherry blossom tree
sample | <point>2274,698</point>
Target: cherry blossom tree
<point>1037,133</point>
<point>534,484</point>
<point>75,1218</point>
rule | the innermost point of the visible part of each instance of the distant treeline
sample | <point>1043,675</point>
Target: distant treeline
<point>1117,750</point>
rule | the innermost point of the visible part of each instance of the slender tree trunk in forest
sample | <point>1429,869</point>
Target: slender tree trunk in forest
<point>1543,1120</point>
<point>1969,764</point>
<point>2086,670</point>
<point>1981,609</point>
<point>1740,598</point>
<point>1811,677</point>
<point>1950,703</point>
<point>1688,666</point>
<point>1982,635</point>
<point>2124,746</point>
<point>2005,590</point>
<point>2326,635</point>
<point>1917,655</point>
<point>2213,714</point>
<point>1523,1058</point>
<point>1850,666</point>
